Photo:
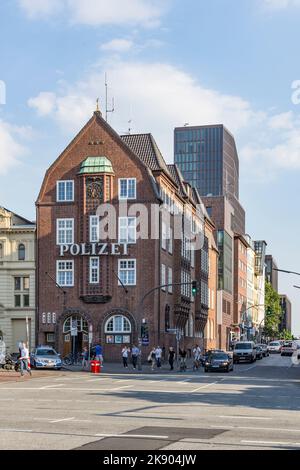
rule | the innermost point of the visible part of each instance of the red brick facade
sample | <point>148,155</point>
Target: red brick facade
<point>94,304</point>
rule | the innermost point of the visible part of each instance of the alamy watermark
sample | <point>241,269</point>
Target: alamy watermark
<point>296,93</point>
<point>2,92</point>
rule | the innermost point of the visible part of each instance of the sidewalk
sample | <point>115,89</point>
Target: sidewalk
<point>117,368</point>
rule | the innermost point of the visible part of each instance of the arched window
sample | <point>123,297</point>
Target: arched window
<point>21,252</point>
<point>75,321</point>
<point>1,250</point>
<point>118,330</point>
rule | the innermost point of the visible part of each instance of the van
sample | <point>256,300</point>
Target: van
<point>244,351</point>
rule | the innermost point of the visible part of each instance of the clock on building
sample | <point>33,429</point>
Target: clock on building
<point>94,189</point>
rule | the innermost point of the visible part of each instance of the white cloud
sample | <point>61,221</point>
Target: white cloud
<point>10,149</point>
<point>280,4</point>
<point>44,103</point>
<point>99,12</point>
<point>158,97</point>
<point>117,45</point>
<point>41,8</point>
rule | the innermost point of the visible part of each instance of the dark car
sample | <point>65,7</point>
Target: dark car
<point>207,354</point>
<point>259,352</point>
<point>218,361</point>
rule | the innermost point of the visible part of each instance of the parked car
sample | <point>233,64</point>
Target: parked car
<point>288,348</point>
<point>259,351</point>
<point>275,347</point>
<point>218,361</point>
<point>45,357</point>
<point>244,351</point>
<point>264,349</point>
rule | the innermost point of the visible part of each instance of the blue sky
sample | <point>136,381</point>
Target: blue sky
<point>168,62</point>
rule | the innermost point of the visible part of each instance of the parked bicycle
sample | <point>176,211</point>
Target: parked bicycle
<point>72,360</point>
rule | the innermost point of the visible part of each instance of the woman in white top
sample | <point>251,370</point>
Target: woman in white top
<point>125,352</point>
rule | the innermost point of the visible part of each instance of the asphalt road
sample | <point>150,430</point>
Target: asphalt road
<point>255,407</point>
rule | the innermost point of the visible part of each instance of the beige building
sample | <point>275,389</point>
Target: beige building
<point>17,280</point>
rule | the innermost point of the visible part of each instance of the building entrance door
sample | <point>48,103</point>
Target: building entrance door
<point>75,335</point>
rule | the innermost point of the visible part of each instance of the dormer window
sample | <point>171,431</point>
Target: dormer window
<point>127,188</point>
<point>65,191</point>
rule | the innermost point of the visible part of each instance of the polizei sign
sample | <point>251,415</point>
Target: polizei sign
<point>94,249</point>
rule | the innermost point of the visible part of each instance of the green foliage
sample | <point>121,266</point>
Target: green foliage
<point>285,334</point>
<point>273,312</point>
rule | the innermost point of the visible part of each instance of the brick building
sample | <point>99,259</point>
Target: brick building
<point>240,282</point>
<point>91,287</point>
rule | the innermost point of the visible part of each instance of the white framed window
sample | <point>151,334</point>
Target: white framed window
<point>163,276</point>
<point>127,229</point>
<point>65,273</point>
<point>127,272</point>
<point>118,324</point>
<point>44,318</point>
<point>49,318</point>
<point>94,270</point>
<point>53,318</point>
<point>127,188</point>
<point>94,228</point>
<point>170,280</point>
<point>65,231</point>
<point>65,191</point>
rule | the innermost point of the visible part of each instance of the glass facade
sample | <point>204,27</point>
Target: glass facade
<point>225,261</point>
<point>199,155</point>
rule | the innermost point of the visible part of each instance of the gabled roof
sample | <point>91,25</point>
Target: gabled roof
<point>178,178</point>
<point>17,219</point>
<point>145,147</point>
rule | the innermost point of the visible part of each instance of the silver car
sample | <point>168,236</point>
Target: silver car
<point>45,357</point>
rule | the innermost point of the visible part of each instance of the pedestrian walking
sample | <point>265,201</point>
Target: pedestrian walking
<point>152,358</point>
<point>85,358</point>
<point>24,360</point>
<point>182,355</point>
<point>196,357</point>
<point>125,352</point>
<point>158,353</point>
<point>171,357</point>
<point>135,352</point>
<point>99,354</point>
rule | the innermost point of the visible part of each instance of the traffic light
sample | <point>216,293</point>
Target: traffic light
<point>194,288</point>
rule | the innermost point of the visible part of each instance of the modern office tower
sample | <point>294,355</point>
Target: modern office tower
<point>271,274</point>
<point>208,159</point>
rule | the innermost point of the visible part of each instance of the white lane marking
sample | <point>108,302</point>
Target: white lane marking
<point>52,386</point>
<point>243,417</point>
<point>122,380</point>
<point>50,420</point>
<point>276,443</point>
<point>183,381</point>
<point>126,436</point>
<point>248,368</point>
<point>64,419</point>
<point>120,388</point>
<point>205,386</point>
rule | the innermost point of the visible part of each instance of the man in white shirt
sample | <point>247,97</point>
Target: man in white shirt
<point>158,353</point>
<point>24,360</point>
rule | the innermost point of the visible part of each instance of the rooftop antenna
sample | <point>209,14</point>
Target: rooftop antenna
<point>112,109</point>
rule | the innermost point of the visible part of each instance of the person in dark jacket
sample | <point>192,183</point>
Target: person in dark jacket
<point>171,357</point>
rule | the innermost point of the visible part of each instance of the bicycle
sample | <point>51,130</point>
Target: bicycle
<point>71,360</point>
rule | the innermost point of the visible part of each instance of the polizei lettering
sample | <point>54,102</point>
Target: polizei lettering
<point>94,249</point>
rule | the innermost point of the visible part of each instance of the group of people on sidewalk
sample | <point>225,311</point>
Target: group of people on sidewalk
<point>154,357</point>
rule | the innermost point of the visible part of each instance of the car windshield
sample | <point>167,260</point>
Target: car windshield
<point>46,352</point>
<point>243,346</point>
<point>224,357</point>
<point>261,345</point>
<point>275,343</point>
<point>288,345</point>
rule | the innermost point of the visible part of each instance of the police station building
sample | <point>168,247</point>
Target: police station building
<point>92,287</point>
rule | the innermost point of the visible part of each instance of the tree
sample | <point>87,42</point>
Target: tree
<point>273,312</point>
<point>287,335</point>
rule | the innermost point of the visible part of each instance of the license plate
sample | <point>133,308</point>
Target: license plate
<point>215,367</point>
